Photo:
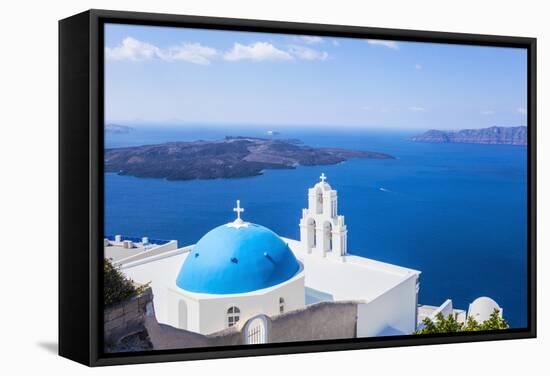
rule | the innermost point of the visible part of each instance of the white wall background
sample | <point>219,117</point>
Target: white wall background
<point>28,184</point>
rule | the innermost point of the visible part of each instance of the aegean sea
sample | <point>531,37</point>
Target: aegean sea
<point>456,212</point>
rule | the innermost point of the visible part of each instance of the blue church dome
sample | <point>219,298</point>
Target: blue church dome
<point>239,258</point>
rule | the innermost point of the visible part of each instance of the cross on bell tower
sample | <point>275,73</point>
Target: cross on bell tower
<point>323,177</point>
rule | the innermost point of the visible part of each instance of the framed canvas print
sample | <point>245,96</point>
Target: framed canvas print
<point>236,187</point>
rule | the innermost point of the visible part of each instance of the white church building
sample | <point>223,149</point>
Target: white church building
<point>241,270</point>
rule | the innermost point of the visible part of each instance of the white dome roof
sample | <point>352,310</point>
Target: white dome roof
<point>324,186</point>
<point>482,308</point>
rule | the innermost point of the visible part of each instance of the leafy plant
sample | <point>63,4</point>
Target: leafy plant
<point>471,325</point>
<point>441,324</point>
<point>495,322</point>
<point>116,286</point>
<point>450,324</point>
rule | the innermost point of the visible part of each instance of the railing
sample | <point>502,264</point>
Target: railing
<point>135,239</point>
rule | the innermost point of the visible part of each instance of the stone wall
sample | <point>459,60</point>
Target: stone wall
<point>166,337</point>
<point>321,321</point>
<point>136,318</point>
<point>126,318</point>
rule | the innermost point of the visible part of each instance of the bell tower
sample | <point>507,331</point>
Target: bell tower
<point>322,231</point>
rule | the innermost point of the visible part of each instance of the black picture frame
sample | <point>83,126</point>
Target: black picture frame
<point>81,185</point>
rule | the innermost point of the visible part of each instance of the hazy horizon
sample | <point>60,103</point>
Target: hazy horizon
<point>280,127</point>
<point>173,76</point>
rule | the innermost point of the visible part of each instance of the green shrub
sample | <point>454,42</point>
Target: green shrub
<point>116,286</point>
<point>450,324</point>
<point>495,322</point>
<point>442,324</point>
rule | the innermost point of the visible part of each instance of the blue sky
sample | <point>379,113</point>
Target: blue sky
<point>187,76</point>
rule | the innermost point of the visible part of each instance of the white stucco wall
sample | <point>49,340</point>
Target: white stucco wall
<point>389,292</point>
<point>161,272</point>
<point>392,313</point>
<point>150,252</point>
<point>207,314</point>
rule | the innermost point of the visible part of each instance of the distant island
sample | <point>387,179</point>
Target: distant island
<point>492,135</point>
<point>118,129</point>
<point>231,157</point>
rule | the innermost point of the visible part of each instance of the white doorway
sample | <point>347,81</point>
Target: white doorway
<point>256,331</point>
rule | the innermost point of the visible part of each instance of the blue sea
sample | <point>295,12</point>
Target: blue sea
<point>456,212</point>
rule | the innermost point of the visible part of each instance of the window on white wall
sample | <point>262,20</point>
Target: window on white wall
<point>233,316</point>
<point>281,305</point>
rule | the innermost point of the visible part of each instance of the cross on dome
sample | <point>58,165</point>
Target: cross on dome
<point>238,210</point>
<point>323,177</point>
<point>238,222</point>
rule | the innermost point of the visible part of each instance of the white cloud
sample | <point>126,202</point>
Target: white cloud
<point>417,109</point>
<point>258,51</point>
<point>305,53</point>
<point>487,112</point>
<point>132,49</point>
<point>366,108</point>
<point>191,52</point>
<point>135,50</point>
<point>385,43</point>
<point>522,110</point>
<point>335,43</point>
<point>418,66</point>
<point>309,39</point>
